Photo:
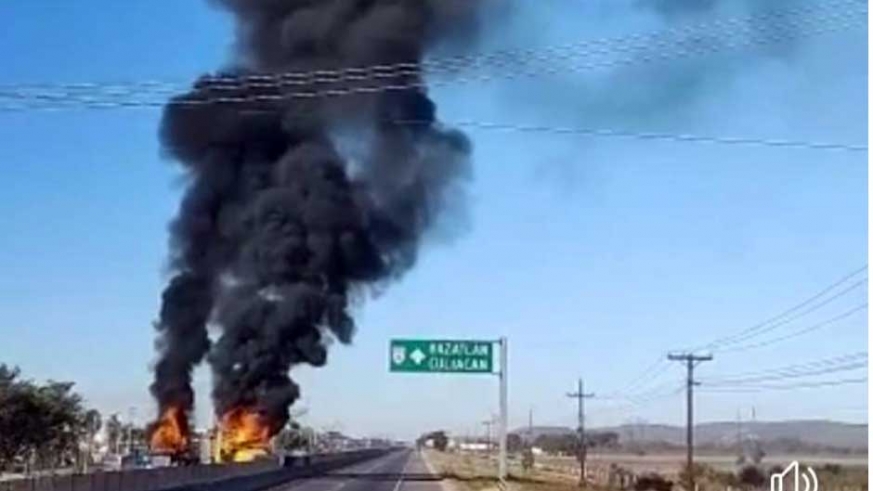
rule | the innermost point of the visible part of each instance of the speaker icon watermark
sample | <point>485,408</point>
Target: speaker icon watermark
<point>799,479</point>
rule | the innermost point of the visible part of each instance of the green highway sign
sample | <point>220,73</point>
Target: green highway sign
<point>441,356</point>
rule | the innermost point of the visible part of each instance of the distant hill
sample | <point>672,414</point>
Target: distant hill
<point>538,431</point>
<point>811,432</point>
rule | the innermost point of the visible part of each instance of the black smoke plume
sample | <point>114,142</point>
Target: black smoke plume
<point>305,191</point>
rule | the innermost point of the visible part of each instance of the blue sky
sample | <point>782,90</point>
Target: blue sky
<point>594,255</point>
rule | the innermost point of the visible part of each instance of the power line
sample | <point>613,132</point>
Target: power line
<point>643,390</point>
<point>634,135</point>
<point>654,393</point>
<point>763,326</point>
<point>812,372</point>
<point>803,313</point>
<point>660,391</point>
<point>808,385</point>
<point>797,333</point>
<point>578,131</point>
<point>802,369</point>
<point>500,58</point>
<point>645,375</point>
<point>651,374</point>
<point>769,323</point>
<point>79,100</point>
<point>628,405</point>
<point>819,25</point>
<point>672,137</point>
<point>850,357</point>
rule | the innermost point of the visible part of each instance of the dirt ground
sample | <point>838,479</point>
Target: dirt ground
<point>472,472</point>
<point>672,463</point>
<point>476,472</point>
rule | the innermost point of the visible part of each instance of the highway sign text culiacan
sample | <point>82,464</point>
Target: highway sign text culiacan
<point>441,356</point>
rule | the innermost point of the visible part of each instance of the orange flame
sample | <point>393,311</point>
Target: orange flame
<point>245,435</point>
<point>169,433</point>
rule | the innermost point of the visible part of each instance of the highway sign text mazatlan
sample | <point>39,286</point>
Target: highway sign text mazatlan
<point>441,356</point>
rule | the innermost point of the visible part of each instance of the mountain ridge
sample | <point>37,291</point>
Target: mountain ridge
<point>813,432</point>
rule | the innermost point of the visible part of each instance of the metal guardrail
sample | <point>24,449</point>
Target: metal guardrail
<point>298,469</point>
<point>240,476</point>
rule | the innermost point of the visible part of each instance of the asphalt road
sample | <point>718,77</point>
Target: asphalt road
<point>403,470</point>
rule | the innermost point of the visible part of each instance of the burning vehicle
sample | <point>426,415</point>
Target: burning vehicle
<point>242,437</point>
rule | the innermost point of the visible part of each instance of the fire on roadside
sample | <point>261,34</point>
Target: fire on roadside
<point>169,435</point>
<point>244,435</point>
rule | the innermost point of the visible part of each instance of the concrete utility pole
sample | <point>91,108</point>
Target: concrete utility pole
<point>691,360</point>
<point>582,450</point>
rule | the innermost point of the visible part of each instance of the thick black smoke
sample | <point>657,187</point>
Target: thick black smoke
<point>301,201</point>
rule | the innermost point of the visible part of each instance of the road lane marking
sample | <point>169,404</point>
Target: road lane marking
<point>343,484</point>
<point>302,483</point>
<point>379,463</point>
<point>403,472</point>
<point>445,484</point>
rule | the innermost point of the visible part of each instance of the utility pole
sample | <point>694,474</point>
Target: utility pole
<point>488,424</point>
<point>527,456</point>
<point>691,360</point>
<point>131,414</point>
<point>739,435</point>
<point>530,427</point>
<point>582,450</point>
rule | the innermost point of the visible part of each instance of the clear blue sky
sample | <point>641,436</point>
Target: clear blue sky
<point>594,255</point>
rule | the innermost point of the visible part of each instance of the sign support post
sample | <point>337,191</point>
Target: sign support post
<point>504,365</point>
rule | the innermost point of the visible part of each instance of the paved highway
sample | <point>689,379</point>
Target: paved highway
<point>403,470</point>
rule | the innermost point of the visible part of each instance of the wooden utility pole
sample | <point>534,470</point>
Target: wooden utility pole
<point>487,425</point>
<point>530,426</point>
<point>581,450</point>
<point>527,460</point>
<point>691,360</point>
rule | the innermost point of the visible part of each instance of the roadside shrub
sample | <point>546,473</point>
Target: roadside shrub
<point>700,472</point>
<point>751,476</point>
<point>653,482</point>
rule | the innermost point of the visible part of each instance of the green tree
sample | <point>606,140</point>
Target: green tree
<point>13,434</point>
<point>40,425</point>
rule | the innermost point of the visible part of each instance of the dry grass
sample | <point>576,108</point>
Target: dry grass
<point>476,473</point>
<point>470,472</point>
<point>834,477</point>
